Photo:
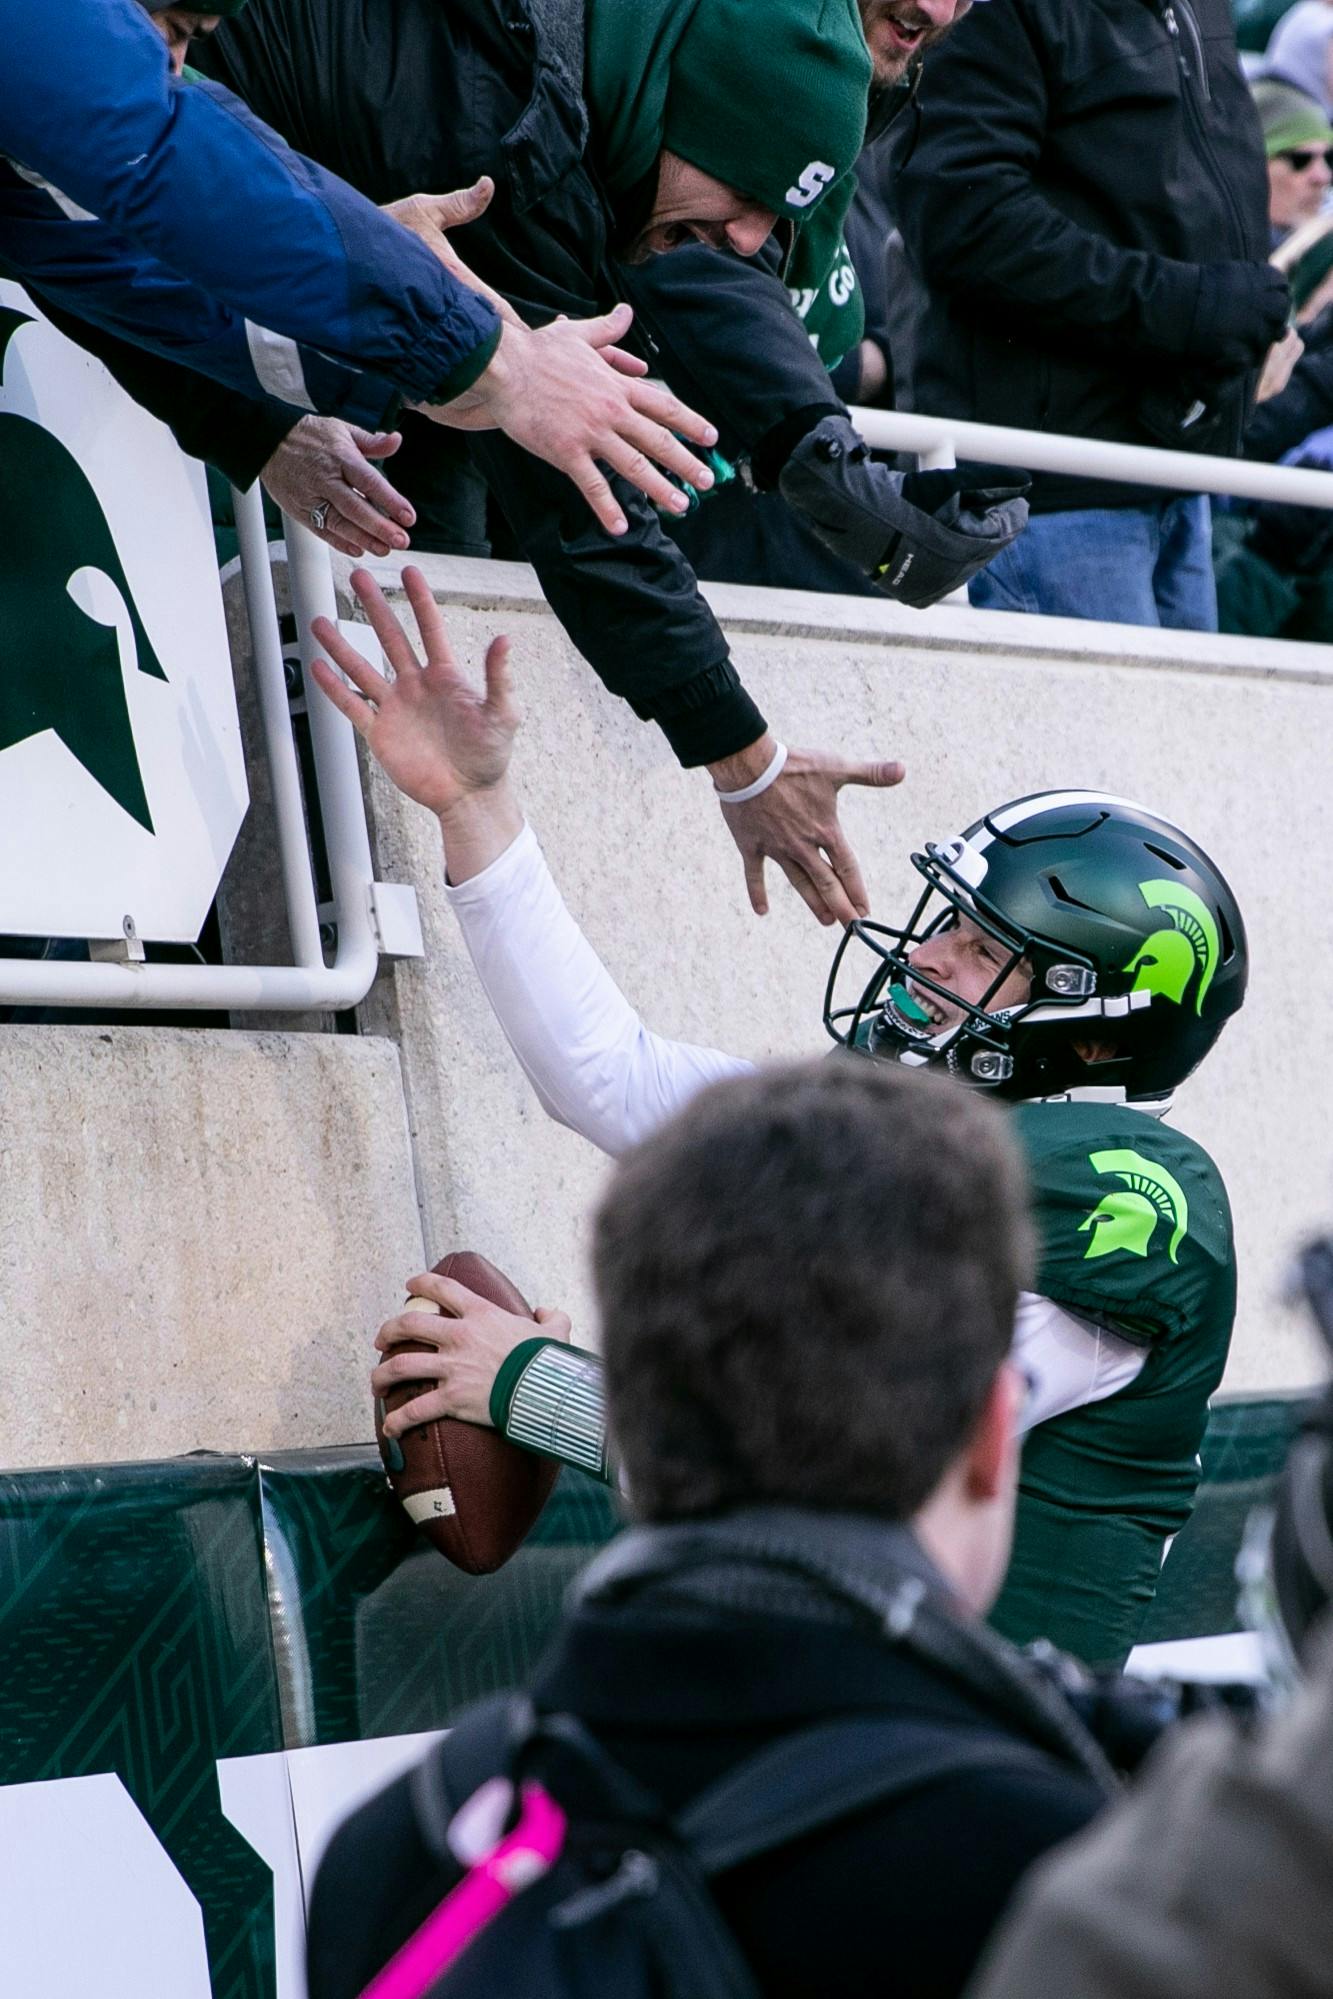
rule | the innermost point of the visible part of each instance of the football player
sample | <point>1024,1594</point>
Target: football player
<point>1071,953</point>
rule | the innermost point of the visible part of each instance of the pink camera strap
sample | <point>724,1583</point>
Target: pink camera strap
<point>520,1858</point>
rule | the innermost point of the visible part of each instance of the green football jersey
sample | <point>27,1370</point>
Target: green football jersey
<point>1134,1232</point>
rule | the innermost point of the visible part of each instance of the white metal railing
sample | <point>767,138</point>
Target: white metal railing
<point>364,911</point>
<point>360,907</point>
<point>939,441</point>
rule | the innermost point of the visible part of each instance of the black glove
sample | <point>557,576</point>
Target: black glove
<point>1240,310</point>
<point>916,535</point>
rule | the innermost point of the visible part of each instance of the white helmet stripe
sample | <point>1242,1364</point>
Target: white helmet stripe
<point>1052,801</point>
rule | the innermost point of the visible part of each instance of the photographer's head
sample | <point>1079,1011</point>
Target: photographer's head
<point>807,1285</point>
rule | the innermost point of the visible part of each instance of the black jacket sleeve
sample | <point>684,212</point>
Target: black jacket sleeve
<point>977,225</point>
<point>729,343</point>
<point>235,433</point>
<point>630,603</point>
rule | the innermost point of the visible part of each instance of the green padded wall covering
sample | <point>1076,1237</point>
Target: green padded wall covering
<point>1243,1451</point>
<point>374,1633</point>
<point>134,1638</point>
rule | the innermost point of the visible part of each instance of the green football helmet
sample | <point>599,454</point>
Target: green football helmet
<point>1129,932</point>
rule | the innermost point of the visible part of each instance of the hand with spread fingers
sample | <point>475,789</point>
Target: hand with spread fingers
<point>439,740</point>
<point>322,475</point>
<point>567,392</point>
<point>794,821</point>
<point>570,395</point>
<point>471,1340</point>
<point>448,746</point>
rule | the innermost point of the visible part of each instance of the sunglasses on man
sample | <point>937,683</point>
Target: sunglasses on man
<point>1301,158</point>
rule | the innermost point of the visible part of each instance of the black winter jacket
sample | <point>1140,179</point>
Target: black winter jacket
<point>1086,204</point>
<point>899,1899</point>
<point>408,96</point>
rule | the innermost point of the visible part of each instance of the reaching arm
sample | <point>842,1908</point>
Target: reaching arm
<point>104,279</point>
<point>194,182</point>
<point>589,1057</point>
<point>550,1397</point>
<point>183,172</point>
<point>591,1060</point>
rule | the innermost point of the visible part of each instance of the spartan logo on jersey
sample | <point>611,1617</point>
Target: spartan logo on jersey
<point>1166,962</point>
<point>1128,1218</point>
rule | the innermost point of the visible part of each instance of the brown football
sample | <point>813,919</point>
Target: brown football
<point>469,1490</point>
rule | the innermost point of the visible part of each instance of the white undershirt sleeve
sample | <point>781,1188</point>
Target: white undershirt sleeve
<point>593,1064</point>
<point>1069,1361</point>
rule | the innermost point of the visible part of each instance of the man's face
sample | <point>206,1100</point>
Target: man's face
<point>968,960</point>
<point>896,31</point>
<point>178,27</point>
<point>1298,180</point>
<point>690,206</point>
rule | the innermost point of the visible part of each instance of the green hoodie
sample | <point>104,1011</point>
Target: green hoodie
<point>767,96</point>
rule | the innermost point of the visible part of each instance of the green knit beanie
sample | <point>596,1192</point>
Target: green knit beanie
<point>768,96</point>
<point>1289,117</point>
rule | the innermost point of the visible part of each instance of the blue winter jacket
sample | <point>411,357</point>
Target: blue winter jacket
<point>168,214</point>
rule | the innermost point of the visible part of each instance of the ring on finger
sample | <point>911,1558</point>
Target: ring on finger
<point>319,517</point>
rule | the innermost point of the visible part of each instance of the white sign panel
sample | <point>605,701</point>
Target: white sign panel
<point>90,1902</point>
<point>122,784</point>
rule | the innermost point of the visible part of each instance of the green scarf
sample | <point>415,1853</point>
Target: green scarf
<point>821,280</point>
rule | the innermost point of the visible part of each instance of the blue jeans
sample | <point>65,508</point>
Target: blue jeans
<point>1148,565</point>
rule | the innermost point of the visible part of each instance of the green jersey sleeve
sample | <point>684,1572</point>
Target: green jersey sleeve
<point>1133,1222</point>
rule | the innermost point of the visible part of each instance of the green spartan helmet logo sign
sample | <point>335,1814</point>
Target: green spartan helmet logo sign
<point>1166,961</point>
<point>1127,1219</point>
<point>59,668</point>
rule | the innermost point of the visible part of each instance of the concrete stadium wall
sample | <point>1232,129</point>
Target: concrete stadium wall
<point>196,1231</point>
<point>1226,736</point>
<point>199,1231</point>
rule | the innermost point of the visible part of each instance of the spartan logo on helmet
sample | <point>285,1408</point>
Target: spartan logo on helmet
<point>52,528</point>
<point>1127,1218</point>
<point>1166,962</point>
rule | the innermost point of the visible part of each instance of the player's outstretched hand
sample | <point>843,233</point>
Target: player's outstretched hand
<point>470,1342</point>
<point>438,738</point>
<point>795,823</point>
<point>569,395</point>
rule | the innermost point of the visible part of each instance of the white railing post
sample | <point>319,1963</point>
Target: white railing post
<point>275,717</point>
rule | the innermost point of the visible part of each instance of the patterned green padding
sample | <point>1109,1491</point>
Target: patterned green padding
<point>134,1638</point>
<point>156,1618</point>
<point>375,1634</point>
<point>1244,1449</point>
